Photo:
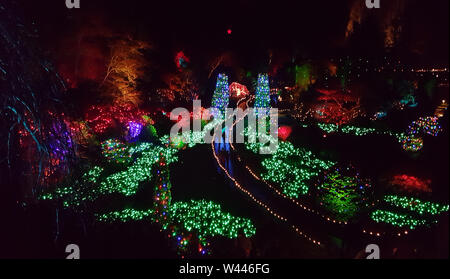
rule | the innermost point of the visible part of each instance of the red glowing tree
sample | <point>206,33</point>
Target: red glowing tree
<point>410,183</point>
<point>238,90</point>
<point>337,107</point>
<point>181,60</point>
<point>181,85</point>
<point>100,118</point>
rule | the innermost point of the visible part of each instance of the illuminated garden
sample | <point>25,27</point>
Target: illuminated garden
<point>87,155</point>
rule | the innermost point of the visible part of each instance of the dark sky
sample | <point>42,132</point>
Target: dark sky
<point>314,27</point>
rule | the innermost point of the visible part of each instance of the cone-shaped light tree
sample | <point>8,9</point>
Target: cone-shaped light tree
<point>221,95</point>
<point>262,98</point>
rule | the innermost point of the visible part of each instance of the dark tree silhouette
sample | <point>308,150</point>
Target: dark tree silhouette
<point>34,141</point>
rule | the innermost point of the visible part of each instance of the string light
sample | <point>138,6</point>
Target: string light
<point>428,125</point>
<point>397,219</point>
<point>254,148</point>
<point>134,129</point>
<point>79,192</point>
<point>416,205</point>
<point>290,167</point>
<point>182,219</point>
<point>208,219</point>
<point>262,95</point>
<point>252,197</point>
<point>410,140</point>
<point>343,192</point>
<point>354,130</point>
<point>263,205</point>
<point>100,118</point>
<point>127,182</point>
<point>125,215</point>
<point>221,96</point>
<point>115,151</point>
<point>412,144</point>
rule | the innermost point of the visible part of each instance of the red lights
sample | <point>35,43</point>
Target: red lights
<point>100,118</point>
<point>284,132</point>
<point>181,60</point>
<point>238,90</point>
<point>411,183</point>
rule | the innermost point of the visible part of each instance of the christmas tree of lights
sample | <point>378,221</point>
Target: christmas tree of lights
<point>262,98</point>
<point>343,192</point>
<point>221,96</point>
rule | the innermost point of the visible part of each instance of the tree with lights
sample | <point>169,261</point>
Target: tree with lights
<point>262,98</point>
<point>189,225</point>
<point>181,85</point>
<point>35,141</point>
<point>221,95</point>
<point>124,69</point>
<point>343,192</point>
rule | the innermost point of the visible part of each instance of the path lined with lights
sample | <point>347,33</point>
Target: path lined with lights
<point>298,204</point>
<point>272,211</point>
<point>305,208</point>
<point>240,187</point>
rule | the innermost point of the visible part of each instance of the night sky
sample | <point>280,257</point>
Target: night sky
<point>313,28</point>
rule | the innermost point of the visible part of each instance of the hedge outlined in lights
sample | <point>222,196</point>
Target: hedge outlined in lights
<point>417,212</point>
<point>291,167</point>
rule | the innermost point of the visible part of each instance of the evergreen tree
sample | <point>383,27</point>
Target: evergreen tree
<point>221,96</point>
<point>262,99</point>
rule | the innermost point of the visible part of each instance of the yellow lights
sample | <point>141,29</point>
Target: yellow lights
<point>380,234</point>
<point>372,233</point>
<point>433,70</point>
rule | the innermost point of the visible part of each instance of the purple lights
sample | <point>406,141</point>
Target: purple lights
<point>134,129</point>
